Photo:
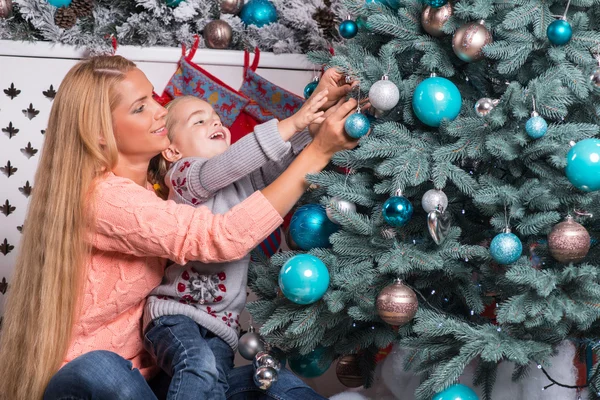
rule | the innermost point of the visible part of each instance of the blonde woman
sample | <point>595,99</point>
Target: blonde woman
<point>96,238</point>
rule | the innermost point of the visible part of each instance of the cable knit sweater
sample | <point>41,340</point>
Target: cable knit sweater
<point>214,295</point>
<point>135,233</point>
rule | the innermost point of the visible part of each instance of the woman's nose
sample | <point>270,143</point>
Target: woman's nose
<point>161,112</point>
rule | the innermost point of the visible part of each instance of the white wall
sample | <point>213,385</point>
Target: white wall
<point>33,67</point>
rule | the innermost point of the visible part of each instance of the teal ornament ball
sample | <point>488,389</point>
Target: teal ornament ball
<point>506,248</point>
<point>310,227</point>
<point>536,127</point>
<point>457,392</point>
<point>59,3</point>
<point>357,125</point>
<point>304,279</point>
<point>559,32</point>
<point>310,88</point>
<point>348,29</point>
<point>436,99</point>
<point>310,365</point>
<point>583,165</point>
<point>397,211</point>
<point>258,13</point>
<point>436,3</point>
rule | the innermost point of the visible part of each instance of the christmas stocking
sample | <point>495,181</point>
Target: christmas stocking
<point>271,100</point>
<point>232,106</point>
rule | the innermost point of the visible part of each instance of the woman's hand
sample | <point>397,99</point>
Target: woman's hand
<point>331,136</point>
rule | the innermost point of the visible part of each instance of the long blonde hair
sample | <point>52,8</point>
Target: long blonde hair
<point>44,294</point>
<point>158,165</point>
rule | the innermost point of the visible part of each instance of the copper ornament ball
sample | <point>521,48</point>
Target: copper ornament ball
<point>433,19</point>
<point>397,304</point>
<point>348,371</point>
<point>231,6</point>
<point>5,8</point>
<point>217,34</point>
<point>568,241</point>
<point>468,41</point>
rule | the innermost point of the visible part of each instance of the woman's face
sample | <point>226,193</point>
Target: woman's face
<point>138,120</point>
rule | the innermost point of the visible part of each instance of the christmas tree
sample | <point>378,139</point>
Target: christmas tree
<point>476,187</point>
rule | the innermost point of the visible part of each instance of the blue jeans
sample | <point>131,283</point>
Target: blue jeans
<point>196,359</point>
<point>102,375</point>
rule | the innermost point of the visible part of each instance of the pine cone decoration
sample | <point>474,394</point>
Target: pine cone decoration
<point>82,8</point>
<point>65,17</point>
<point>325,19</point>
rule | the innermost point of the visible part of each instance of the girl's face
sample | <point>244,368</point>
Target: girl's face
<point>138,120</point>
<point>197,131</point>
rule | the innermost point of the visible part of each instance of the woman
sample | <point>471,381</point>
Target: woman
<point>96,237</point>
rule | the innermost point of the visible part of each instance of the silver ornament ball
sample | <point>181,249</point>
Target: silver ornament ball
<point>265,377</point>
<point>266,359</point>
<point>595,77</point>
<point>343,205</point>
<point>485,105</point>
<point>384,94</point>
<point>434,198</point>
<point>217,34</point>
<point>5,8</point>
<point>250,344</point>
<point>231,6</point>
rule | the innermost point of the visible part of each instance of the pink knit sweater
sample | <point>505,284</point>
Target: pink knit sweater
<point>135,233</point>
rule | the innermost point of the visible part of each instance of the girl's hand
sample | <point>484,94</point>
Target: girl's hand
<point>309,112</point>
<point>334,82</point>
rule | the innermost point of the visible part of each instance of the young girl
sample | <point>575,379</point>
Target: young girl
<point>192,318</point>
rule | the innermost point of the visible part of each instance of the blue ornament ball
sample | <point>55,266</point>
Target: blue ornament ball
<point>536,127</point>
<point>506,248</point>
<point>304,279</point>
<point>59,3</point>
<point>583,165</point>
<point>310,88</point>
<point>310,227</point>
<point>457,392</point>
<point>258,13</point>
<point>559,32</point>
<point>348,29</point>
<point>397,211</point>
<point>436,3</point>
<point>436,99</point>
<point>357,125</point>
<point>310,365</point>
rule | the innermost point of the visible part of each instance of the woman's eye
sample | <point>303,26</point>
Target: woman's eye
<point>140,109</point>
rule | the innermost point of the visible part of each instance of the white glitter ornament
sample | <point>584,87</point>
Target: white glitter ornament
<point>384,94</point>
<point>434,198</point>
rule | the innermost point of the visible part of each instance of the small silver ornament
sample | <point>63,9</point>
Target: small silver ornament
<point>485,105</point>
<point>5,8</point>
<point>438,224</point>
<point>217,34</point>
<point>265,377</point>
<point>266,359</point>
<point>595,77</point>
<point>343,205</point>
<point>231,6</point>
<point>384,94</point>
<point>434,198</point>
<point>250,344</point>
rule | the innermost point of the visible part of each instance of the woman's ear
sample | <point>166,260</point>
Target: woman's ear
<point>171,154</point>
<point>101,140</point>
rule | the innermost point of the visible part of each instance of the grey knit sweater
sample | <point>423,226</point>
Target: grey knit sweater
<point>214,295</point>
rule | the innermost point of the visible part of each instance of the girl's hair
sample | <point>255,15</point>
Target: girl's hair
<point>158,165</point>
<point>49,275</point>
